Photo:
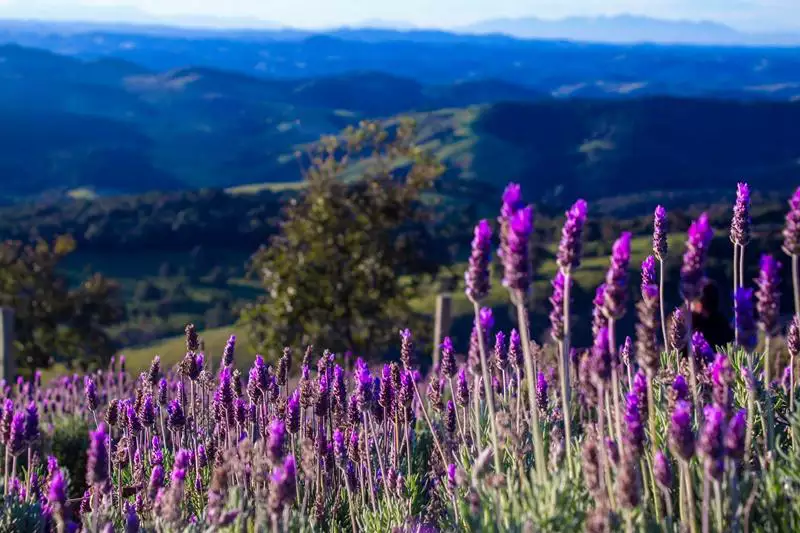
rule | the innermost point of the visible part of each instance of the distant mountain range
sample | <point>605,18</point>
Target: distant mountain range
<point>115,126</point>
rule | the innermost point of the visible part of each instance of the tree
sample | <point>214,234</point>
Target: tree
<point>350,253</point>
<point>53,321</point>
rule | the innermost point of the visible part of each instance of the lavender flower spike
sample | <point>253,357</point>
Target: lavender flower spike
<point>97,464</point>
<point>571,246</point>
<point>557,302</point>
<point>768,295</point>
<point>477,274</point>
<point>616,291</point>
<point>695,257</point>
<point>791,231</point>
<point>740,224</point>
<point>649,272</point>
<point>681,437</point>
<point>516,261</point>
<point>710,444</point>
<point>660,231</point>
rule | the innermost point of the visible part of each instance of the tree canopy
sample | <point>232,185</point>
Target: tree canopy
<point>350,254</point>
<point>55,322</point>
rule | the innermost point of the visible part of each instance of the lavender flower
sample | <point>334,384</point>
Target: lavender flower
<point>695,257</point>
<point>703,353</point>
<point>678,330</point>
<point>276,441</point>
<point>282,481</point>
<point>768,295</point>
<point>710,444</point>
<point>57,493</point>
<point>793,336</point>
<point>462,389</point>
<point>131,519</point>
<point>541,392</point>
<point>162,392</point>
<point>477,274</point>
<point>740,224</point>
<point>681,436</point>
<point>721,380</point>
<point>515,353</point>
<point>293,413</point>
<point>616,291</point>
<point>662,471</point>
<point>626,351</point>
<point>634,434</point>
<point>791,231</point>
<point>31,423</point>
<point>649,276</point>
<point>557,302</point>
<point>735,435</point>
<point>599,319</point>
<point>228,352</point>
<point>97,463</point>
<point>175,416</point>
<point>516,261</point>
<point>155,371</point>
<point>745,322</point>
<point>90,392</point>
<point>406,348</point>
<point>601,358</point>
<point>16,439</point>
<point>647,350</point>
<point>660,232</point>
<point>571,246</point>
<point>500,356</point>
<point>448,358</point>
<point>339,446</point>
<point>450,417</point>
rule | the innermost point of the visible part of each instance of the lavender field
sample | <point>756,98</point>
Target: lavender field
<point>659,432</point>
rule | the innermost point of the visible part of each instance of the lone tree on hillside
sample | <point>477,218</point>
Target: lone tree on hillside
<point>349,253</point>
<point>53,321</point>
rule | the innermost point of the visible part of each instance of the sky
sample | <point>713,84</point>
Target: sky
<point>748,15</point>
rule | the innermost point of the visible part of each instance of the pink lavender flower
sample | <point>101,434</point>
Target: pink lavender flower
<point>477,274</point>
<point>768,295</point>
<point>570,248</point>
<point>791,231</point>
<point>745,321</point>
<point>557,309</point>
<point>616,286</point>
<point>660,231</point>
<point>740,224</point>
<point>695,257</point>
<point>681,436</point>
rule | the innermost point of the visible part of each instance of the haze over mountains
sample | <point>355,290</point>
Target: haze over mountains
<point>126,110</point>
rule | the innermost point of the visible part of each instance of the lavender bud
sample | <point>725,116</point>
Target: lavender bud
<point>695,257</point>
<point>649,276</point>
<point>175,417</point>
<point>678,330</point>
<point>616,292</point>
<point>450,417</point>
<point>477,274</point>
<point>90,392</point>
<point>703,353</point>
<point>662,471</point>
<point>557,303</point>
<point>293,413</point>
<point>541,392</point>
<point>448,358</point>
<point>768,295</point>
<point>515,257</point>
<point>681,436</point>
<point>228,351</point>
<point>97,463</point>
<point>710,444</point>
<point>277,441</point>
<point>745,322</point>
<point>634,435</point>
<point>791,231</point>
<point>162,392</point>
<point>660,232</point>
<point>735,435</point>
<point>500,355</point>
<point>462,389</point>
<point>406,348</point>
<point>571,246</point>
<point>740,223</point>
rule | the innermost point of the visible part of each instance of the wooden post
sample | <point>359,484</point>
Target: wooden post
<point>442,322</point>
<point>7,363</point>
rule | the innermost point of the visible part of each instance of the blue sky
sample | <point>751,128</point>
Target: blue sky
<point>758,15</point>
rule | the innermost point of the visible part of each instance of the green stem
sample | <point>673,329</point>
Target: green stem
<point>487,386</point>
<point>538,448</point>
<point>661,302</point>
<point>651,421</point>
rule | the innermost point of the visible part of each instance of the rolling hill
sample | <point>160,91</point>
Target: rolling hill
<point>112,126</point>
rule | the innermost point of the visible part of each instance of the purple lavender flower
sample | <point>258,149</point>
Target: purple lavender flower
<point>662,471</point>
<point>477,274</point>
<point>448,358</point>
<point>678,330</point>
<point>735,435</point>
<point>97,463</point>
<point>406,348</point>
<point>512,200</point>
<point>648,353</point>
<point>660,232</point>
<point>599,319</point>
<point>710,444</point>
<point>681,436</point>
<point>156,481</point>
<point>228,352</point>
<point>339,446</point>
<point>703,353</point>
<point>5,422</point>
<point>57,493</point>
<point>500,356</point>
<point>462,389</point>
<point>162,392</point>
<point>450,417</point>
<point>791,231</point>
<point>649,276</point>
<point>626,351</point>
<point>768,295</point>
<point>515,353</point>
<point>634,434</point>
<point>516,261</point>
<point>745,322</point>
<point>31,423</point>
<point>276,441</point>
<point>282,480</point>
<point>571,246</point>
<point>695,257</point>
<point>90,392</point>
<point>640,390</point>
<point>557,303</point>
<point>16,440</point>
<point>541,391</point>
<point>155,370</point>
<point>406,389</point>
<point>616,292</point>
<point>131,519</point>
<point>721,380</point>
<point>293,413</point>
<point>740,224</point>
<point>680,390</point>
<point>175,417</point>
<point>793,336</point>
